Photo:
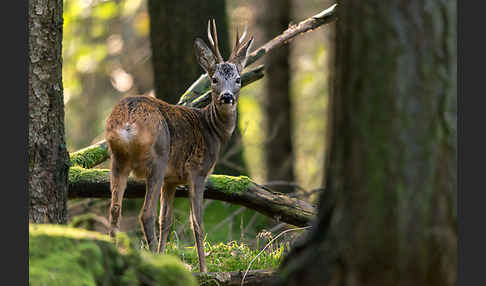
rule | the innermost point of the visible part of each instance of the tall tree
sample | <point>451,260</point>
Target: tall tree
<point>275,18</point>
<point>388,215</point>
<point>172,34</point>
<point>48,157</point>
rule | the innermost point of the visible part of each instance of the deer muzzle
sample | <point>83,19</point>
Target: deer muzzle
<point>227,98</point>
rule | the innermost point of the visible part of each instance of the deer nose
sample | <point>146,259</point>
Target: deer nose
<point>227,97</point>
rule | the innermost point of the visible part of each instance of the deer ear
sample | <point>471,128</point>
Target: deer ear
<point>242,55</point>
<point>205,57</point>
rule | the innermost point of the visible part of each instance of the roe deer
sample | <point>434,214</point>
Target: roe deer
<point>169,145</point>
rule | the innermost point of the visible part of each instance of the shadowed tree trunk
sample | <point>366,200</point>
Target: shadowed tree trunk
<point>48,157</point>
<point>173,27</point>
<point>388,215</point>
<point>275,17</point>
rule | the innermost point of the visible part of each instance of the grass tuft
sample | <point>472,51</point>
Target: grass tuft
<point>225,257</point>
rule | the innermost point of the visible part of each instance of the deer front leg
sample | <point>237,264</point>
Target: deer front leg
<point>196,197</point>
<point>166,211</point>
<point>148,212</point>
<point>118,184</point>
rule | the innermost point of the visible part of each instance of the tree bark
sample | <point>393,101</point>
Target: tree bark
<point>48,157</point>
<point>95,183</point>
<point>279,155</point>
<point>388,215</point>
<point>173,28</point>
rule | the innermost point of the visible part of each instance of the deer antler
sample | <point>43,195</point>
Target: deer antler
<point>214,43</point>
<point>239,42</point>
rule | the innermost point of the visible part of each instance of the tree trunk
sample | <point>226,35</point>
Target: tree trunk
<point>275,17</point>
<point>48,157</point>
<point>173,27</point>
<point>388,215</point>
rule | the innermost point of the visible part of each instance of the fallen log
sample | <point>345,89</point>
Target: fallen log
<point>253,278</point>
<point>95,183</point>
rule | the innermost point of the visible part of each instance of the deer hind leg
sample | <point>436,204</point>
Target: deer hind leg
<point>196,196</point>
<point>166,213</point>
<point>118,184</point>
<point>148,213</point>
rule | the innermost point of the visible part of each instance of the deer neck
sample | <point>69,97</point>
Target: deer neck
<point>221,123</point>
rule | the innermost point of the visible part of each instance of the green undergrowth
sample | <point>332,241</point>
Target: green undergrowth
<point>60,255</point>
<point>225,257</point>
<point>220,222</point>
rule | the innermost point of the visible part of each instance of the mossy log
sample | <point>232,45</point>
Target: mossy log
<point>95,183</point>
<point>253,277</point>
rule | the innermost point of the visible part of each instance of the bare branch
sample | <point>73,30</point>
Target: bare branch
<point>325,17</point>
<point>202,84</point>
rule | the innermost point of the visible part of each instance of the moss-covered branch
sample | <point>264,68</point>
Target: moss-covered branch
<point>95,183</point>
<point>91,155</point>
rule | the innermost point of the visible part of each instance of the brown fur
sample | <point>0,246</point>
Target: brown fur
<point>183,126</point>
<point>169,145</point>
<point>176,144</point>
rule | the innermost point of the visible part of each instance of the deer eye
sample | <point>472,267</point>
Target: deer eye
<point>238,80</point>
<point>214,80</point>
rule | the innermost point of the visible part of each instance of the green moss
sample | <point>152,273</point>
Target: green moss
<point>54,230</point>
<point>231,256</point>
<point>77,173</point>
<point>229,184</point>
<point>60,255</point>
<point>90,156</point>
<point>165,270</point>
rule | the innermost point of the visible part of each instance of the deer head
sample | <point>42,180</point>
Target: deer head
<point>224,75</point>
